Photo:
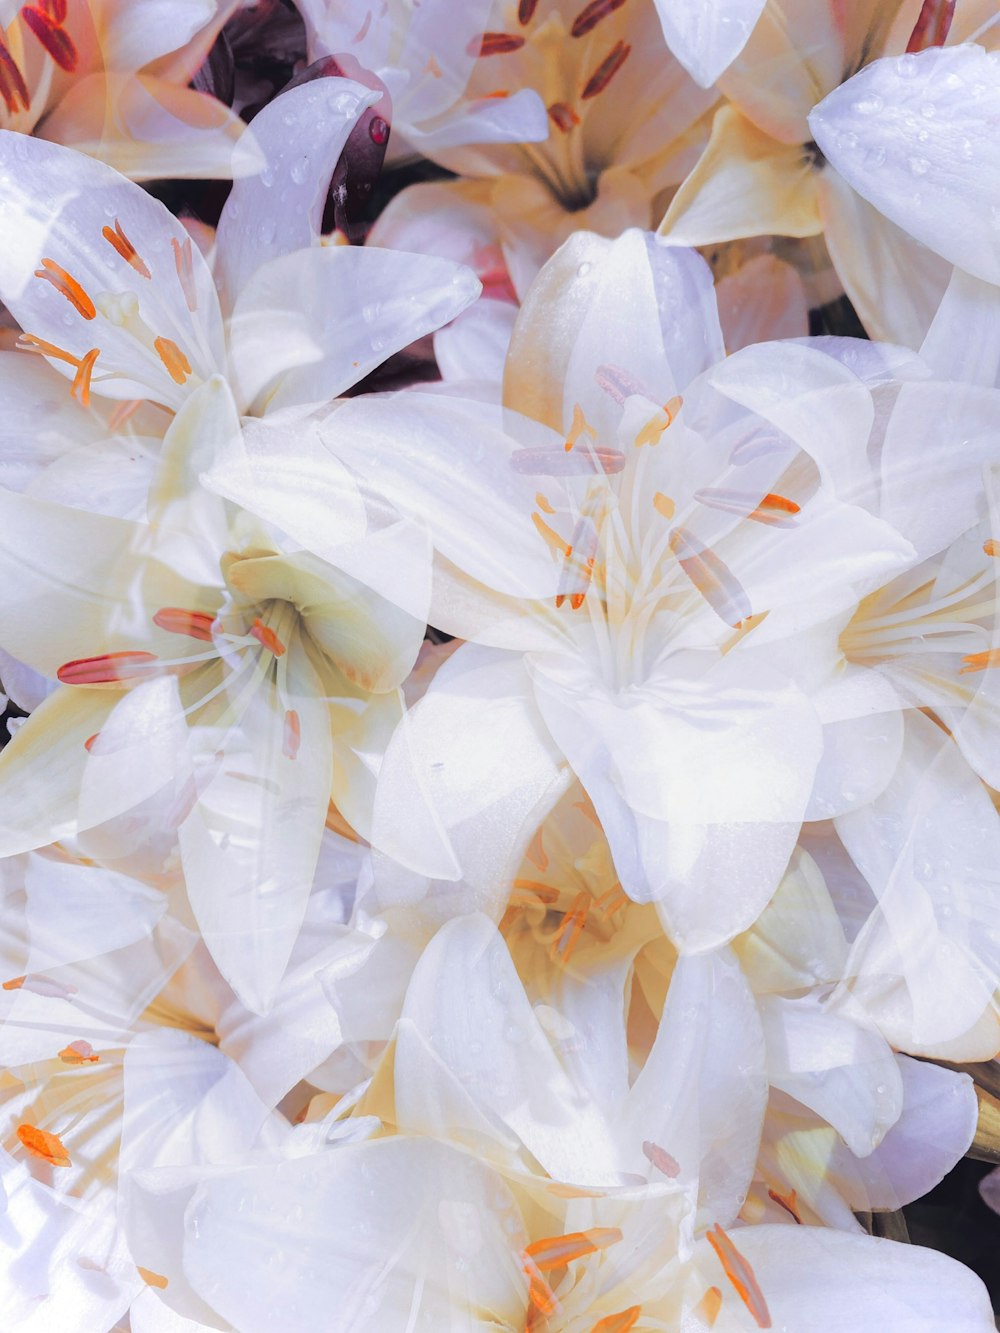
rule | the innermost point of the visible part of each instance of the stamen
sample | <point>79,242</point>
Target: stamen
<point>563,116</point>
<point>122,413</point>
<point>712,577</point>
<point>741,1275</point>
<point>66,286</point>
<point>536,852</point>
<point>150,1278</point>
<point>932,26</point>
<point>292,737</point>
<point>707,1309</point>
<point>56,9</point>
<point>108,668</point>
<point>774,510</point>
<point>78,1053</point>
<point>664,505</point>
<point>579,426</point>
<point>184,263</point>
<point>267,637</point>
<point>786,1201</point>
<point>586,807</point>
<point>592,14</point>
<point>89,743</point>
<point>13,88</point>
<point>980,661</point>
<point>40,1143</point>
<point>661,1159</point>
<point>618,383</point>
<point>991,547</point>
<point>81,380</point>
<point>39,984</point>
<point>606,70</point>
<point>177,364</point>
<point>555,1251</point>
<point>618,1323</point>
<point>565,938</point>
<point>543,504</point>
<point>495,44</point>
<point>52,35</point>
<point>610,901</point>
<point>659,422</point>
<point>540,1295</point>
<point>529,893</point>
<point>195,624</point>
<point>526,11</point>
<point>557,543</point>
<point>125,248</point>
<point>563,463</point>
<point>27,342</point>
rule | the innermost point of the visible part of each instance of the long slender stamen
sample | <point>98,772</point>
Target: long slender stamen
<point>606,70</point>
<point>556,1251</point>
<point>52,35</point>
<point>66,285</point>
<point>125,248</point>
<point>741,1275</point>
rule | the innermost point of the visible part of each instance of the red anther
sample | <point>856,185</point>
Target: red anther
<point>52,35</point>
<point>526,11</point>
<point>56,10</point>
<point>661,1159</point>
<point>495,44</point>
<point>786,1201</point>
<point>88,744</point>
<point>13,88</point>
<point>107,668</point>
<point>378,130</point>
<point>606,70</point>
<point>932,26</point>
<point>592,14</point>
<point>195,624</point>
<point>185,271</point>
<point>563,116</point>
<point>267,637</point>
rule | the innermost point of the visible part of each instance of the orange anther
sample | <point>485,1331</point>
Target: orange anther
<point>106,668</point>
<point>81,380</point>
<point>741,1275</point>
<point>66,285</point>
<point>540,1295</point>
<point>150,1278</point>
<point>543,504</point>
<point>292,736</point>
<point>267,637</point>
<point>661,1159</point>
<point>13,88</point>
<point>712,578</point>
<point>495,44</point>
<point>15,983</point>
<point>125,248</point>
<point>563,116</point>
<point>40,1143</point>
<point>786,1201</point>
<point>606,70</point>
<point>555,1251</point>
<point>530,893</point>
<point>184,262</point>
<point>578,426</point>
<point>27,342</point>
<point>78,1053</point>
<point>51,34</point>
<point>991,547</point>
<point>980,661</point>
<point>664,505</point>
<point>618,1323</point>
<point>558,544</point>
<point>707,1309</point>
<point>195,624</point>
<point>565,938</point>
<point>592,14</point>
<point>177,364</point>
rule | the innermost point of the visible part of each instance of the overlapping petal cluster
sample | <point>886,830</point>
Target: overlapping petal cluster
<point>517,851</point>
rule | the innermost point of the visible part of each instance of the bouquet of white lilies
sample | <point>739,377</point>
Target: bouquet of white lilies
<point>499,635</point>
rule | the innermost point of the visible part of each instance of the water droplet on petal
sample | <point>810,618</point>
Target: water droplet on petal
<point>299,170</point>
<point>919,166</point>
<point>868,106</point>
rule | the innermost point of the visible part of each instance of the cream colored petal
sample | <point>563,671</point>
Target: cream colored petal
<point>745,184</point>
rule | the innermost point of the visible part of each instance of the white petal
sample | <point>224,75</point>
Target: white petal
<point>278,207</point>
<point>707,38</point>
<point>306,326</point>
<point>764,299</point>
<point>963,341</point>
<point>907,133</point>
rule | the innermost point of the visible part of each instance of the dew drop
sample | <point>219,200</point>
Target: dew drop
<point>919,166</point>
<point>906,66</point>
<point>868,106</point>
<point>583,269</point>
<point>299,170</point>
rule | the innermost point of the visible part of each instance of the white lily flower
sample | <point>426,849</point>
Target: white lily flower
<point>112,80</point>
